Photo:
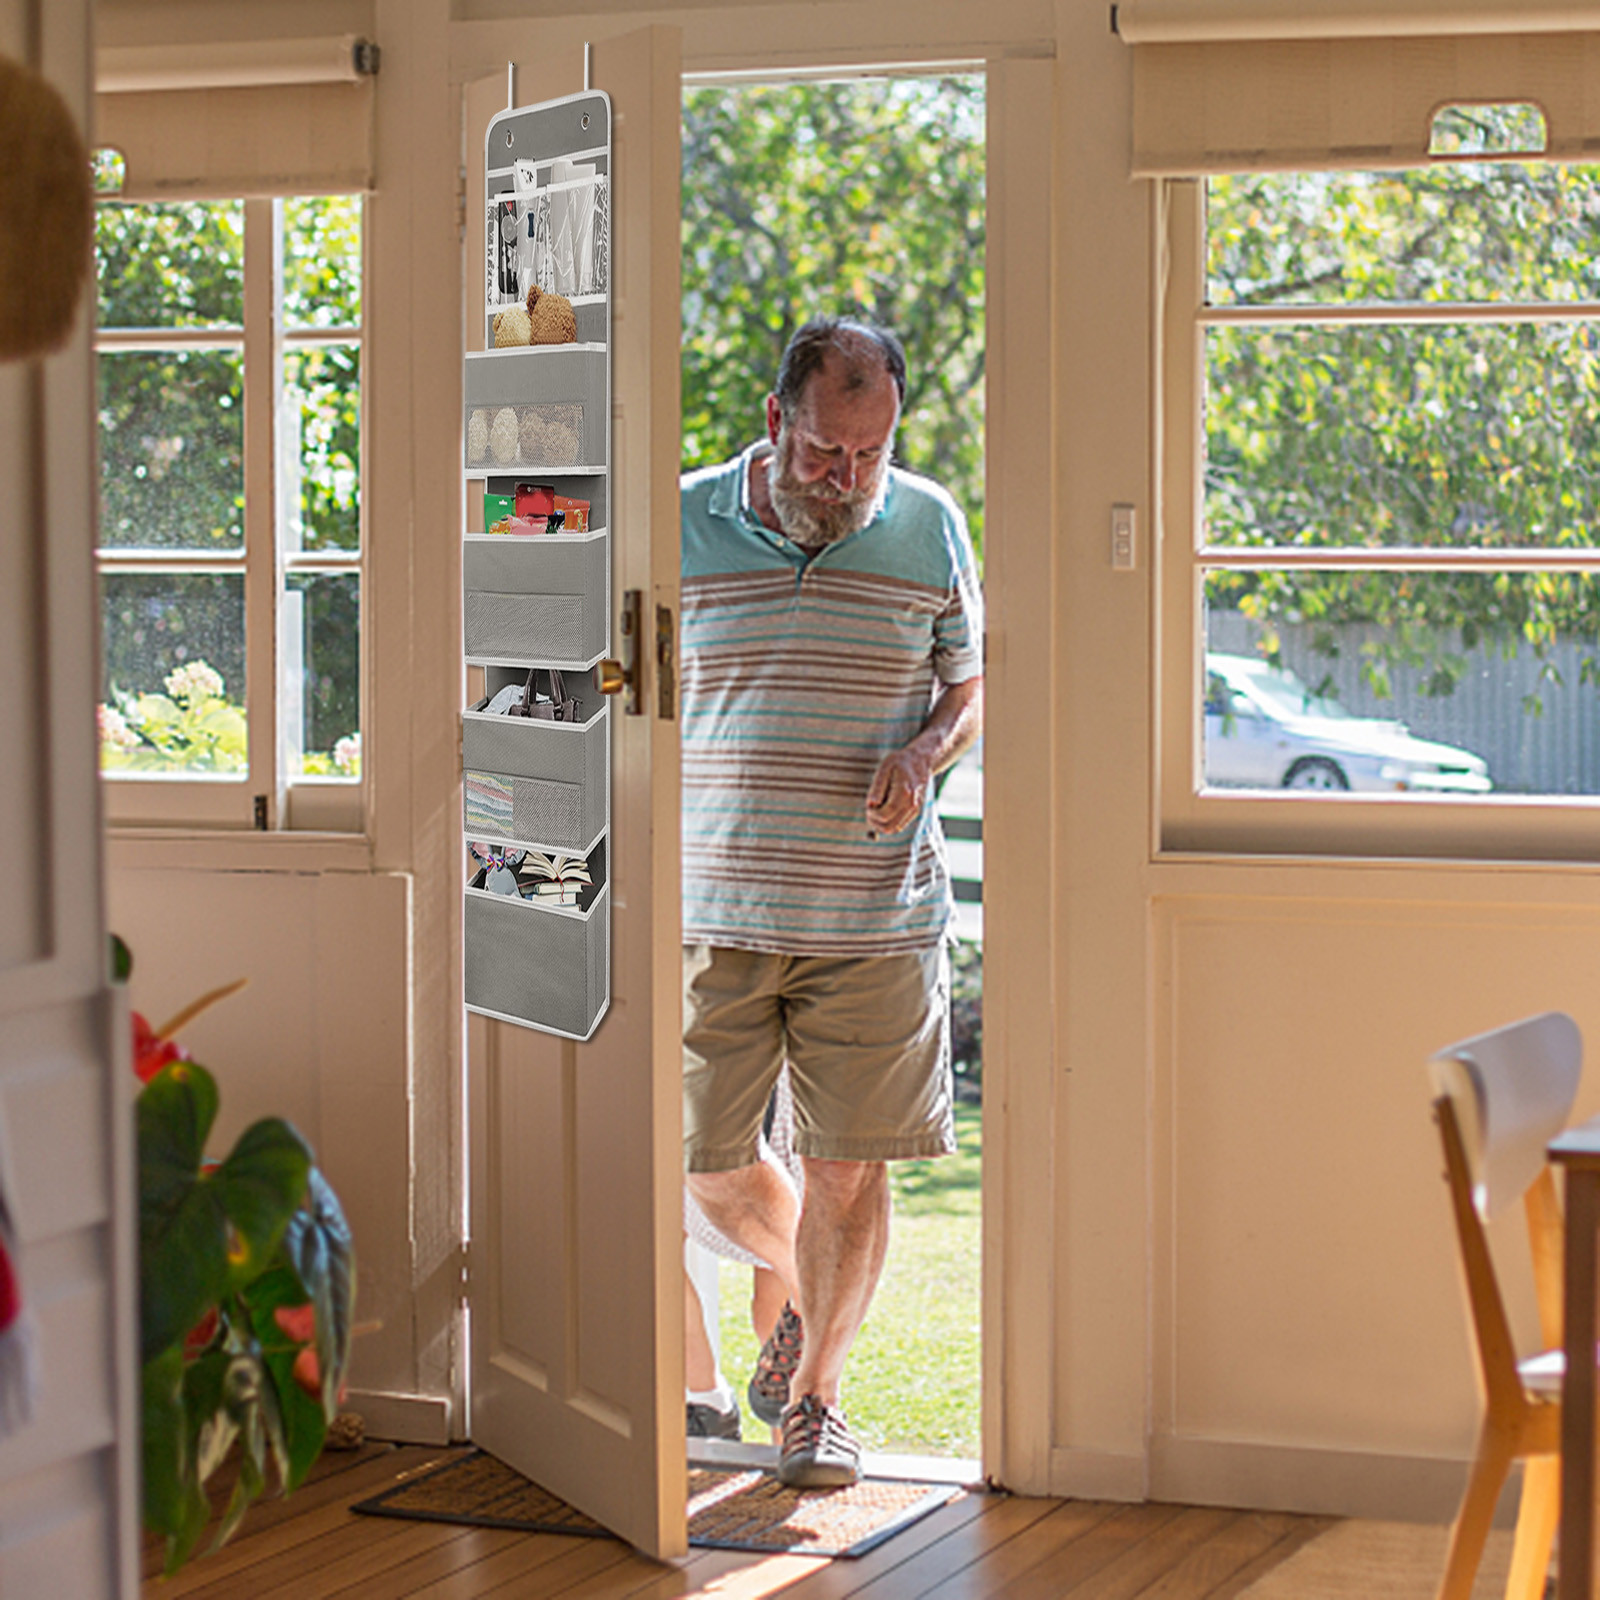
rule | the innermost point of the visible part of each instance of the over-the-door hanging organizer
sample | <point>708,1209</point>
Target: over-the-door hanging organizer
<point>536,443</point>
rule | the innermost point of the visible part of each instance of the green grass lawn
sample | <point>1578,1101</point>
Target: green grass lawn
<point>912,1384</point>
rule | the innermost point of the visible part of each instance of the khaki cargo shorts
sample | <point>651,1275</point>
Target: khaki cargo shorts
<point>867,1039</point>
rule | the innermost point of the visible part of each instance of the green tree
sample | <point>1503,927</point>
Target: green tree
<point>172,448</point>
<point>1395,434</point>
<point>857,199</point>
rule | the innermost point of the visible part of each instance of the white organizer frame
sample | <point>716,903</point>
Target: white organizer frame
<point>493,934</point>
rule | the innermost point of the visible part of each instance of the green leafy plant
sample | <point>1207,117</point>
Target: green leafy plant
<point>193,727</point>
<point>246,1288</point>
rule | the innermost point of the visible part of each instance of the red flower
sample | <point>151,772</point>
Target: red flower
<point>150,1052</point>
<point>307,1373</point>
<point>300,1324</point>
<point>200,1335</point>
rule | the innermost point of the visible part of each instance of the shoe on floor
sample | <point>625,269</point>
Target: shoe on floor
<point>706,1422</point>
<point>780,1355</point>
<point>819,1451</point>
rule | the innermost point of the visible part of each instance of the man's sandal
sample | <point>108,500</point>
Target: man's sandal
<point>780,1355</point>
<point>819,1451</point>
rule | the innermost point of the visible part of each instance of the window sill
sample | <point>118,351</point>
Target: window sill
<point>235,850</point>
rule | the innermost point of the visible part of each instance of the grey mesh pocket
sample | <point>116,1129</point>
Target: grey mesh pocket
<point>527,963</point>
<point>546,812</point>
<point>524,627</point>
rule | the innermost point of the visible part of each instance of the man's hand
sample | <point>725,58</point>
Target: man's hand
<point>903,776</point>
<point>895,797</point>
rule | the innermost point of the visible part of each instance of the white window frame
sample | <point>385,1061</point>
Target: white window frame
<point>1190,819</point>
<point>266,796</point>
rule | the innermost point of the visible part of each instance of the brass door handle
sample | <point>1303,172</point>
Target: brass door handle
<point>613,677</point>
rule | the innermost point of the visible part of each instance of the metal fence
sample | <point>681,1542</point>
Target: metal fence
<point>1539,733</point>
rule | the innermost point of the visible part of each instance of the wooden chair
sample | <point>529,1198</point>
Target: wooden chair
<point>1502,1097</point>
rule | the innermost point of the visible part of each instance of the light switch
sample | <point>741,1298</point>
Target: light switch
<point>1122,530</point>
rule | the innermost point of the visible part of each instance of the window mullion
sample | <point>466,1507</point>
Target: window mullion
<point>1180,277</point>
<point>1400,558</point>
<point>1398,313</point>
<point>260,517</point>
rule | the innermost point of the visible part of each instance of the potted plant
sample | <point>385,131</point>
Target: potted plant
<point>246,1289</point>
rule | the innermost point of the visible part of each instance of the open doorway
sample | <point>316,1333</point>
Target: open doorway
<point>863,196</point>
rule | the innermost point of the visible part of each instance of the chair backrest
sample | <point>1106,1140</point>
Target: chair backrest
<point>1512,1090</point>
<point>1502,1097</point>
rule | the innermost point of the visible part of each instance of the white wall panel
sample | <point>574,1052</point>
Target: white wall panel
<point>1306,1288</point>
<point>319,1037</point>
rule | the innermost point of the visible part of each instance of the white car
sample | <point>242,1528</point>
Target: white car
<point>1264,729</point>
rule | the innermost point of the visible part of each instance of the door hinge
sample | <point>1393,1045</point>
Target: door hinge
<point>461,203</point>
<point>666,665</point>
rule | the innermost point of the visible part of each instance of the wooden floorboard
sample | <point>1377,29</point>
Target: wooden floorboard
<point>982,1546</point>
<point>1301,1531</point>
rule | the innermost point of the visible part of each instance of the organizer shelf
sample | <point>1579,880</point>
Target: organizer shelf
<point>536,601</point>
<point>540,413</point>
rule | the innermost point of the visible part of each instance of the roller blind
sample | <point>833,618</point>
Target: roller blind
<point>289,117</point>
<point>1209,98</point>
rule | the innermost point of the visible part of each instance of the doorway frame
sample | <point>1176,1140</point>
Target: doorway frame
<point>1023,921</point>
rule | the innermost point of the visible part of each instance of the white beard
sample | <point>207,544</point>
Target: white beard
<point>808,517</point>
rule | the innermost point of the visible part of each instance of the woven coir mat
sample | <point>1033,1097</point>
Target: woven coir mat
<point>729,1508</point>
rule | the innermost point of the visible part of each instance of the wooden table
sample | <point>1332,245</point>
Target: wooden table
<point>1578,1152</point>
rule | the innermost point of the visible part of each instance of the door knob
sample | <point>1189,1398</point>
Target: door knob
<point>613,677</point>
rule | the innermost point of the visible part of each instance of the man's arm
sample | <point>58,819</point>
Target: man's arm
<point>903,775</point>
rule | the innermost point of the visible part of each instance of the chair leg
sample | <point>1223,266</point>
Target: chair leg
<point>1473,1520</point>
<point>1536,1527</point>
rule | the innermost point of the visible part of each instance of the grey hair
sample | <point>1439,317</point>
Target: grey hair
<point>863,345</point>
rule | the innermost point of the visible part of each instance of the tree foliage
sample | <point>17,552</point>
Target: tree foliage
<point>1392,434</point>
<point>856,199</point>
<point>172,456</point>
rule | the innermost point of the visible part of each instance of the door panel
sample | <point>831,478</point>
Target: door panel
<point>575,1277</point>
<point>69,1472</point>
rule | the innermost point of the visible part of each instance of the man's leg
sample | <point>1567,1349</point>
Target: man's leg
<point>757,1208</point>
<point>712,1409</point>
<point>842,1240</point>
<point>699,1365</point>
<point>767,1294</point>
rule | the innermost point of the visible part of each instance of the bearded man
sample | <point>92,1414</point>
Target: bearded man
<point>832,666</point>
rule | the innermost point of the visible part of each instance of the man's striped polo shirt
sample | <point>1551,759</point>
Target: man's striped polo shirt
<point>799,676</point>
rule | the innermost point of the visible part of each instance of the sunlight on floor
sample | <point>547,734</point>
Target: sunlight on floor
<point>764,1578</point>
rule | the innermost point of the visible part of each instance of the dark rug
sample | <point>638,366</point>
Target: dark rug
<point>729,1508</point>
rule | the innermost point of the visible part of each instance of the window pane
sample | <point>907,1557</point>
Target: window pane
<point>173,681</point>
<point>1430,683</point>
<point>174,265</point>
<point>1403,435</point>
<point>1458,231</point>
<point>322,674</point>
<point>320,437</point>
<point>1488,130</point>
<point>172,449</point>
<point>322,262</point>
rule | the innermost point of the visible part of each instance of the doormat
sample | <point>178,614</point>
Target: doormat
<point>729,1508</point>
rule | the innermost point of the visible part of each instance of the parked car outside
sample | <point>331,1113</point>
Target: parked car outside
<point>1264,729</point>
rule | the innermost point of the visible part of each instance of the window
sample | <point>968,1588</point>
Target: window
<point>230,557</point>
<point>1380,607</point>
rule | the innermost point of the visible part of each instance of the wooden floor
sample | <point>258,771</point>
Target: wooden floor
<point>977,1548</point>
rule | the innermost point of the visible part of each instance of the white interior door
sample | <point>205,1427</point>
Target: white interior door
<point>69,1474</point>
<point>576,1268</point>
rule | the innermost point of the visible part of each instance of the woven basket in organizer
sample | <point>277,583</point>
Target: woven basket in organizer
<point>46,214</point>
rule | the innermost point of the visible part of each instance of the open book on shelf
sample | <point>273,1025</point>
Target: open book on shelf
<point>553,878</point>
